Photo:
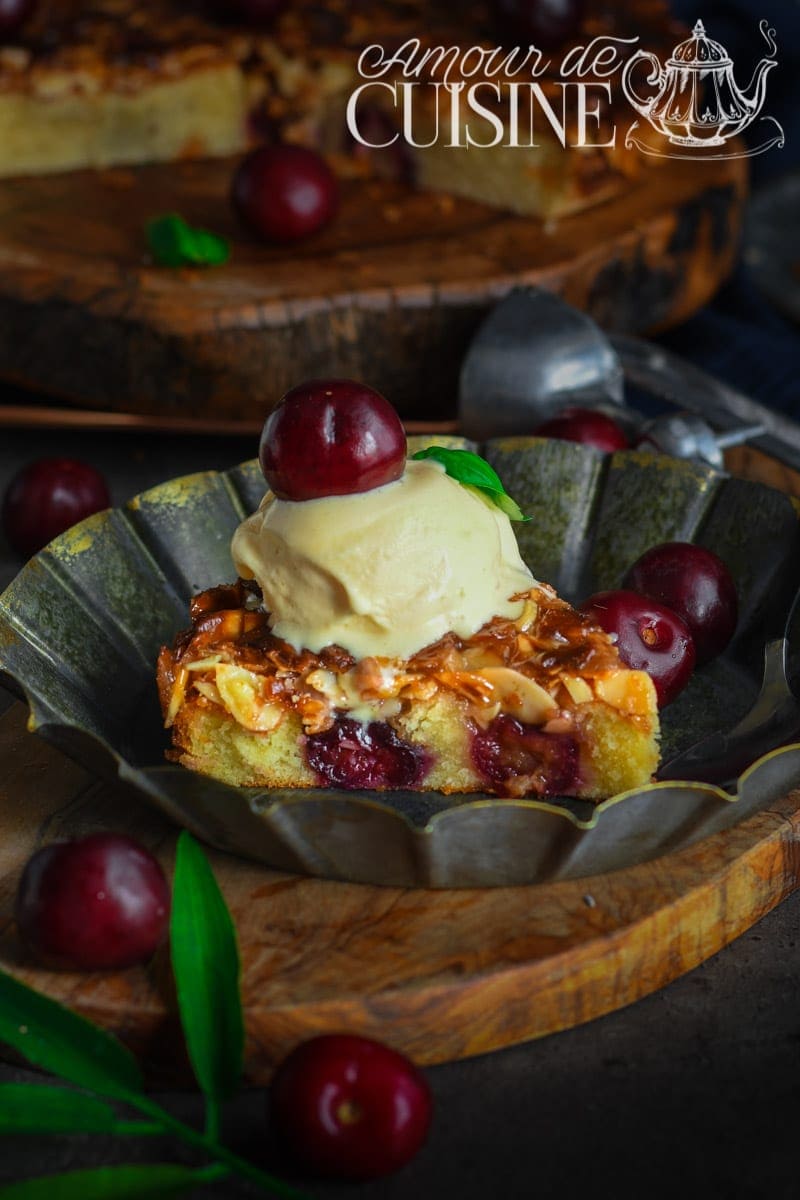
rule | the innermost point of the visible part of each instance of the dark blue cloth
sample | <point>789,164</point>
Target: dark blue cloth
<point>735,23</point>
<point>741,337</point>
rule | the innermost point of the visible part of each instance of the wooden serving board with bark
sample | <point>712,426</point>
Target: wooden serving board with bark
<point>440,975</point>
<point>390,293</point>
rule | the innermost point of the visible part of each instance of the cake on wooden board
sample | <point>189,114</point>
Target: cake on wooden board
<point>111,81</point>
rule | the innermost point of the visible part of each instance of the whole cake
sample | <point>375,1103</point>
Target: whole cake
<point>93,83</point>
<point>384,632</point>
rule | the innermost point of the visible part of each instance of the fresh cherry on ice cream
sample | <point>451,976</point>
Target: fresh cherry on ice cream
<point>697,584</point>
<point>586,425</point>
<point>98,903</point>
<point>284,193</point>
<point>544,23</point>
<point>352,755</point>
<point>13,15</point>
<point>650,637</point>
<point>48,496</point>
<point>349,1107</point>
<point>331,437</point>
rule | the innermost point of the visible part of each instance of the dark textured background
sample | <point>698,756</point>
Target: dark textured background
<point>692,1092</point>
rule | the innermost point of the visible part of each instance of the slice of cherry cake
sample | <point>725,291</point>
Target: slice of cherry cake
<point>538,706</point>
<point>385,631</point>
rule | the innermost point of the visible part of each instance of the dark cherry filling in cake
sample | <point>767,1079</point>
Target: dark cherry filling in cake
<point>520,759</point>
<point>354,756</point>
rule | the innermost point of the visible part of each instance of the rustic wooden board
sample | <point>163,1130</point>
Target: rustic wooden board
<point>391,293</point>
<point>441,975</point>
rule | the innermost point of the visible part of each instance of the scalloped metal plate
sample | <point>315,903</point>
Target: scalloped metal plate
<point>81,625</point>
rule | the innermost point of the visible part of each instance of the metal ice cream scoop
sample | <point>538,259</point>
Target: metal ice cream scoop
<point>685,435</point>
<point>535,354</point>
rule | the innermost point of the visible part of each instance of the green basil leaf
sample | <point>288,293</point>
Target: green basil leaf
<point>510,507</point>
<point>205,962</point>
<point>175,243</point>
<point>39,1108</point>
<point>108,1183</point>
<point>209,249</point>
<point>59,1041</point>
<point>471,469</point>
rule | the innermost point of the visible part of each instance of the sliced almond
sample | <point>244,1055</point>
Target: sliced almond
<point>579,690</point>
<point>520,696</point>
<point>209,690</point>
<point>327,683</point>
<point>177,697</point>
<point>530,611</point>
<point>241,692</point>
<point>203,664</point>
<point>475,658</point>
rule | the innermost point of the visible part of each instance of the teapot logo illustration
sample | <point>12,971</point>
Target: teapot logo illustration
<point>697,105</point>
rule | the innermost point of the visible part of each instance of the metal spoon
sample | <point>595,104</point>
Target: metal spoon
<point>534,354</point>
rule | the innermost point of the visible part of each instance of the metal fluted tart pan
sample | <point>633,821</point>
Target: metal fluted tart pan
<point>81,625</point>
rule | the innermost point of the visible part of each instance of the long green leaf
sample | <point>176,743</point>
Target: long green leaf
<point>52,1037</point>
<point>205,961</point>
<point>110,1183</point>
<point>38,1108</point>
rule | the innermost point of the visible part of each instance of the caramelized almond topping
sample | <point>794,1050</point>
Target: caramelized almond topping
<point>561,658</point>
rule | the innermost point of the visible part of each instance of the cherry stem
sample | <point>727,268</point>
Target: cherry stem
<point>349,1113</point>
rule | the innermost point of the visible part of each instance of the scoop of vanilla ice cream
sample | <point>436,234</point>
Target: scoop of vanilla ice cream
<point>383,572</point>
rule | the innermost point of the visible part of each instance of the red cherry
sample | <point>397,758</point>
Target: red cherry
<point>353,755</point>
<point>695,583</point>
<point>545,23</point>
<point>331,437</point>
<point>284,193</point>
<point>14,14</point>
<point>349,1107</point>
<point>95,904</point>
<point>650,637</point>
<point>508,750</point>
<point>48,496</point>
<point>587,425</point>
<point>255,12</point>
